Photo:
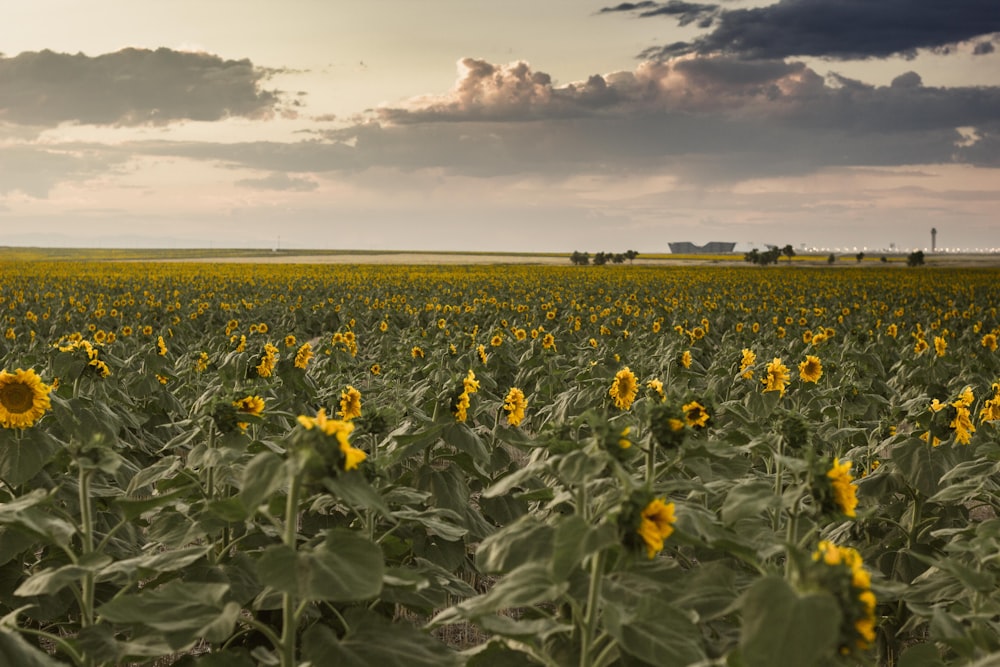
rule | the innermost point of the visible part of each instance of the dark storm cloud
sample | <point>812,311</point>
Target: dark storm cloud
<point>684,12</point>
<point>839,29</point>
<point>130,87</point>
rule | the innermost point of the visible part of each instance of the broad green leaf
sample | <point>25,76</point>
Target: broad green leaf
<point>574,540</point>
<point>525,541</point>
<point>782,627</point>
<point>345,567</point>
<point>21,458</point>
<point>15,651</point>
<point>52,580</point>
<point>916,460</point>
<point>748,499</point>
<point>373,641</point>
<point>180,611</point>
<point>262,476</point>
<point>354,490</point>
<point>650,628</point>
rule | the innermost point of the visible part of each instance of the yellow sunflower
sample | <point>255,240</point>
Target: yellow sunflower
<point>844,493</point>
<point>624,388</point>
<point>656,525</point>
<point>777,376</point>
<point>23,398</point>
<point>350,403</point>
<point>514,404</point>
<point>811,369</point>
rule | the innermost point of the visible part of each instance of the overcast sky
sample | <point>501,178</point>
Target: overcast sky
<point>524,125</point>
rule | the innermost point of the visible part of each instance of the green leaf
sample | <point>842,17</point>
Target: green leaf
<point>15,651</point>
<point>650,628</point>
<point>181,612</point>
<point>355,491</point>
<point>262,476</point>
<point>748,499</point>
<point>170,560</point>
<point>526,540</point>
<point>373,641</point>
<point>527,585</point>
<point>921,655</point>
<point>575,539</point>
<point>915,460</point>
<point>781,627</point>
<point>21,458</point>
<point>53,580</point>
<point>345,567</point>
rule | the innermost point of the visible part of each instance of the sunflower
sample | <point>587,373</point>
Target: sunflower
<point>777,376</point>
<point>811,369</point>
<point>842,571</point>
<point>656,524</point>
<point>624,388</point>
<point>303,355</point>
<point>940,345</point>
<point>747,361</point>
<point>549,341</point>
<point>657,386</point>
<point>161,347</point>
<point>514,404</point>
<point>350,403</point>
<point>844,493</point>
<point>686,358</point>
<point>695,414</point>
<point>990,342</point>
<point>341,430</point>
<point>23,398</point>
<point>417,353</point>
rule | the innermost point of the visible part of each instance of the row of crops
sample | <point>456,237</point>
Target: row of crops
<point>210,465</point>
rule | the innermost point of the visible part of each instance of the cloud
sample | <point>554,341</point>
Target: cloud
<point>130,87</point>
<point>35,169</point>
<point>684,12</point>
<point>837,29</point>
<point>279,181</point>
<point>706,120</point>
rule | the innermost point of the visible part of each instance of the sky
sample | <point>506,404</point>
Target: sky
<point>525,125</point>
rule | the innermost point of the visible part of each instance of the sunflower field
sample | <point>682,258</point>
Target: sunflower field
<point>212,465</point>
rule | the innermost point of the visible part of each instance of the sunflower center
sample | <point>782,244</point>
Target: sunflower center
<point>17,398</point>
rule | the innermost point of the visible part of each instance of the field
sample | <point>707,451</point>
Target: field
<point>671,462</point>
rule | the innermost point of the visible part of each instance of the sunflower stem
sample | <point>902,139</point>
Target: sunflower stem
<point>288,600</point>
<point>590,611</point>
<point>651,464</point>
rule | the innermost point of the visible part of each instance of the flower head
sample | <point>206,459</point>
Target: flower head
<point>777,376</point>
<point>514,404</point>
<point>811,369</point>
<point>656,524</point>
<point>624,388</point>
<point>695,414</point>
<point>23,398</point>
<point>350,403</point>
<point>303,355</point>
<point>844,493</point>
<point>339,429</point>
<point>748,359</point>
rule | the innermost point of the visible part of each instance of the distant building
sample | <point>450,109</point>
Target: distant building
<point>712,248</point>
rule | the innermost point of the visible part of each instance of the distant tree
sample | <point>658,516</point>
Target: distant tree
<point>860,256</point>
<point>831,259</point>
<point>770,256</point>
<point>752,256</point>
<point>883,259</point>
<point>789,252</point>
<point>915,258</point>
<point>618,258</point>
<point>580,258</point>
<point>601,258</point>
<point>630,255</point>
